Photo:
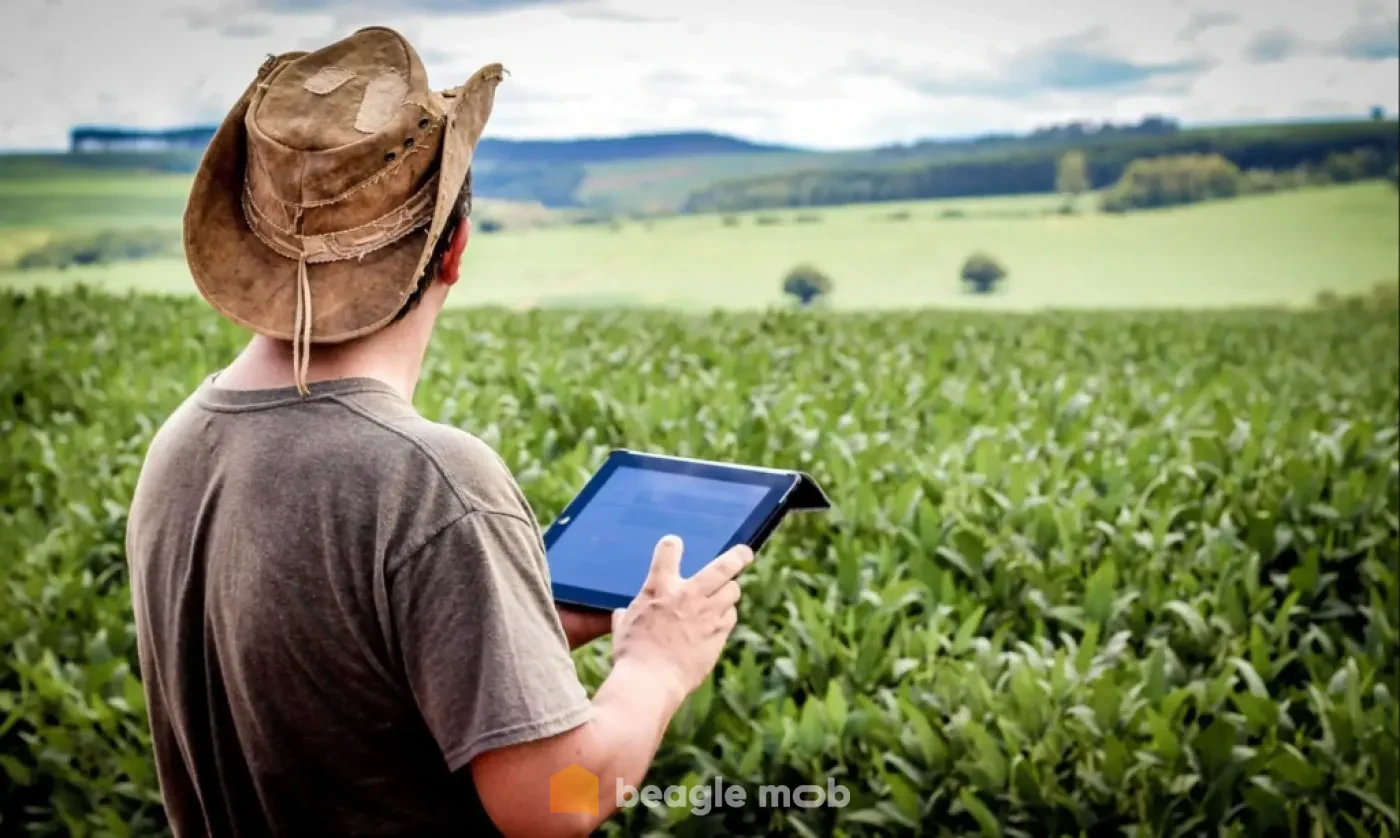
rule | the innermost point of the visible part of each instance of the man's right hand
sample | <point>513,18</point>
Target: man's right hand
<point>664,645</point>
<point>676,627</point>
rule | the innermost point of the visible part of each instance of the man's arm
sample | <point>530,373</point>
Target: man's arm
<point>583,625</point>
<point>665,644</point>
<point>630,714</point>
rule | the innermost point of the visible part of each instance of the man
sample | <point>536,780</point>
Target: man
<point>343,609</point>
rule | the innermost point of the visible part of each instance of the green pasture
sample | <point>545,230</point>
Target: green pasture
<point>1280,249</point>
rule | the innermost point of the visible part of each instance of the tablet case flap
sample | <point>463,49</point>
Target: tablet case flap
<point>807,496</point>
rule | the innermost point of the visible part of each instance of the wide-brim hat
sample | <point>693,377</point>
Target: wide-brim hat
<point>317,204</point>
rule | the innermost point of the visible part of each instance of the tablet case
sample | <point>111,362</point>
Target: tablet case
<point>804,496</point>
<point>807,496</point>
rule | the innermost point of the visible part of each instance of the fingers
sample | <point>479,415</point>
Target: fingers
<point>714,575</point>
<point>727,621</point>
<point>726,596</point>
<point>617,620</point>
<point>665,565</point>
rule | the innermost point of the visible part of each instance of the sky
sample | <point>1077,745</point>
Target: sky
<point>816,73</point>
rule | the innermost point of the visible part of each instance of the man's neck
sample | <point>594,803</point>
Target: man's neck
<point>393,355</point>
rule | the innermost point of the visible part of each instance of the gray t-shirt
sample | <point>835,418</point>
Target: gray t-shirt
<point>338,605</point>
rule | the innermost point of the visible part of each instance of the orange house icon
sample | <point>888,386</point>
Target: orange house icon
<point>574,790</point>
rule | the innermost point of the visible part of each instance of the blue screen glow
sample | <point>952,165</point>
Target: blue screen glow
<point>608,547</point>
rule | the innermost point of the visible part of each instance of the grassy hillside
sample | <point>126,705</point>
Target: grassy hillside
<point>1030,166</point>
<point>700,171</point>
<point>997,165</point>
<point>663,186</point>
<point>1266,250</point>
<point>44,197</point>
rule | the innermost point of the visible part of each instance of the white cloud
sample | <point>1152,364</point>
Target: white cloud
<point>824,73</point>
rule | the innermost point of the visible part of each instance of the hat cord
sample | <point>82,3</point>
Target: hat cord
<point>341,245</point>
<point>301,329</point>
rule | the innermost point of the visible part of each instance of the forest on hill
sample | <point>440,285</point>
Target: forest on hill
<point>1031,166</point>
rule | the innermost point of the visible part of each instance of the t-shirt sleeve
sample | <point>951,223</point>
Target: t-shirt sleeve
<point>482,648</point>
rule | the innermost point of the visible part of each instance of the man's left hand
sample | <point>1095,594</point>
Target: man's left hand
<point>583,625</point>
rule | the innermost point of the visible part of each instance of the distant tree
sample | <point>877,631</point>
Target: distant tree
<point>1175,179</point>
<point>982,273</point>
<point>1315,175</point>
<point>1386,295</point>
<point>1260,182</point>
<point>1071,176</point>
<point>1343,167</point>
<point>489,225</point>
<point>1377,113</point>
<point>1297,177</point>
<point>1370,161</point>
<point>807,284</point>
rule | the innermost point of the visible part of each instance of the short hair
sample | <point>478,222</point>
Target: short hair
<point>461,210</point>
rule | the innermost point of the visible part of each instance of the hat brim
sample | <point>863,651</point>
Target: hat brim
<point>256,287</point>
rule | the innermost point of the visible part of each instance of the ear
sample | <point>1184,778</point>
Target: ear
<point>452,260</point>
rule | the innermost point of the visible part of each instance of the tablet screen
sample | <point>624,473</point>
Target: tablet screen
<point>609,545</point>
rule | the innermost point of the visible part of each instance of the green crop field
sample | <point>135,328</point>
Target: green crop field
<point>1088,574</point>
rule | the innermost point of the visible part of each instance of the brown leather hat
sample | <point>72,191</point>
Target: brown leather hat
<point>317,204</point>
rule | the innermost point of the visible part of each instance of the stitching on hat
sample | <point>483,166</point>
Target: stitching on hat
<point>423,145</point>
<point>392,225</point>
<point>334,199</point>
<point>328,79</point>
<point>369,181</point>
<point>256,156</point>
<point>383,94</point>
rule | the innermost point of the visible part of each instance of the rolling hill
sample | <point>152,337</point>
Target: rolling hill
<point>702,171</point>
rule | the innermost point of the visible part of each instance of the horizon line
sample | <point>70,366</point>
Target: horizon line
<point>704,132</point>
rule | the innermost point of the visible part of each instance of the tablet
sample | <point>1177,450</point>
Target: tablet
<point>600,547</point>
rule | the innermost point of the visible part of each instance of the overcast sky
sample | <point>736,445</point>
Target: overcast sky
<point>827,74</point>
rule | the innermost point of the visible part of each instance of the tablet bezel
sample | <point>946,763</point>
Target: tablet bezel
<point>754,530</point>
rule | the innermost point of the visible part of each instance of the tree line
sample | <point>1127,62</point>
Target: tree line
<point>1183,179</point>
<point>1106,159</point>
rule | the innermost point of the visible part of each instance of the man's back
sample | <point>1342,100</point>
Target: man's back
<point>343,611</point>
<point>322,589</point>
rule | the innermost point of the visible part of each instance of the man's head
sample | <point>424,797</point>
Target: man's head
<point>335,192</point>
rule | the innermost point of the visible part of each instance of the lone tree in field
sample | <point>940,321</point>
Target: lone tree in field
<point>806,284</point>
<point>1071,177</point>
<point>982,273</point>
